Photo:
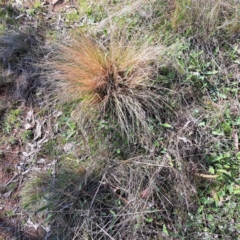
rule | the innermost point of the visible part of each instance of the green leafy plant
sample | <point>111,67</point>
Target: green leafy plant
<point>93,11</point>
<point>11,120</point>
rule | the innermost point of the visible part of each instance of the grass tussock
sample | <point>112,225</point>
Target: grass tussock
<point>32,193</point>
<point>204,19</point>
<point>130,168</point>
<point>15,45</point>
<point>119,81</point>
<point>20,52</point>
<point>123,201</point>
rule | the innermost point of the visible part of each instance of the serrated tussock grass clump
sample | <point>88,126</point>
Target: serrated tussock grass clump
<point>20,54</point>
<point>118,82</point>
<point>32,194</point>
<point>77,203</point>
<point>44,188</point>
<point>204,19</point>
<point>18,48</point>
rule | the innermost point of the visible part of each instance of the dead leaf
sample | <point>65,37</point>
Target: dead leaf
<point>30,117</point>
<point>20,16</point>
<point>185,140</point>
<point>238,49</point>
<point>41,161</point>
<point>235,139</point>
<point>57,114</point>
<point>46,228</point>
<point>57,5</point>
<point>68,147</point>
<point>38,130</point>
<point>28,126</point>
<point>31,224</point>
<point>43,140</point>
<point>206,175</point>
<point>145,193</point>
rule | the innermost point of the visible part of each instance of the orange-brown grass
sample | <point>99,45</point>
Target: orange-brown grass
<point>118,81</point>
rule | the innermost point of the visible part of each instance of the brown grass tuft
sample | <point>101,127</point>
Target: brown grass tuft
<point>119,82</point>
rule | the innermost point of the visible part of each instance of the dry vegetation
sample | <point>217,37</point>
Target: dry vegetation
<point>129,129</point>
<point>119,81</point>
<point>204,20</point>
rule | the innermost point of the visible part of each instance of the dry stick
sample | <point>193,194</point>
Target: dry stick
<point>102,230</point>
<point>235,139</point>
<point>79,228</point>
<point>94,197</point>
<point>11,180</point>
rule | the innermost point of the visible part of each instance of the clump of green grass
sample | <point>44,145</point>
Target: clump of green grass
<point>7,16</point>
<point>118,82</point>
<point>12,119</point>
<point>32,194</point>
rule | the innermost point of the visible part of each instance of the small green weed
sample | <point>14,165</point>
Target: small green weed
<point>93,11</point>
<point>11,120</point>
<point>50,149</point>
<point>26,135</point>
<point>7,17</point>
<point>72,17</point>
<point>34,7</point>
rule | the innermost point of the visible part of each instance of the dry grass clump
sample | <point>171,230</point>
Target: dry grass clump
<point>204,19</point>
<point>20,51</point>
<point>14,45</point>
<point>149,195</point>
<point>126,200</point>
<point>118,82</point>
<point>32,194</point>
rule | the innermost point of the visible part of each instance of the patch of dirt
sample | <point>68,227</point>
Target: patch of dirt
<point>9,187</point>
<point>12,178</point>
<point>9,156</point>
<point>12,230</point>
<point>18,160</point>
